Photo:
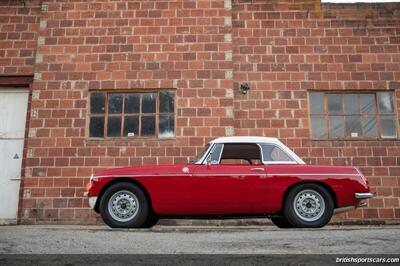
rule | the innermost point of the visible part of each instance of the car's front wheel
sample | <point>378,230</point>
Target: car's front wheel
<point>308,205</point>
<point>124,205</point>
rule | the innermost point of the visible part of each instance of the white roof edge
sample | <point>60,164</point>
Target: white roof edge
<point>245,139</point>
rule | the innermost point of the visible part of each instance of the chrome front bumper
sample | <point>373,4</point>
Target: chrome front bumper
<point>367,195</point>
<point>92,202</point>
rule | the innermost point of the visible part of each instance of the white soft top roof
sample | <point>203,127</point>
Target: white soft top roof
<point>260,140</point>
<point>246,139</point>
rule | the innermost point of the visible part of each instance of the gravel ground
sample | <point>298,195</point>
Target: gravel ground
<point>199,240</point>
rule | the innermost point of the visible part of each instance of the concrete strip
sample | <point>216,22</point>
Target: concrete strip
<point>199,240</point>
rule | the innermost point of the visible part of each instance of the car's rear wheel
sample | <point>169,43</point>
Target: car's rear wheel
<point>124,205</point>
<point>281,222</point>
<point>308,205</point>
<point>151,221</point>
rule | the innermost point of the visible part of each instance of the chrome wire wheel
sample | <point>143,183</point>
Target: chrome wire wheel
<point>309,205</point>
<point>123,206</point>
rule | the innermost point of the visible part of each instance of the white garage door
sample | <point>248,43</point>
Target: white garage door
<point>13,106</point>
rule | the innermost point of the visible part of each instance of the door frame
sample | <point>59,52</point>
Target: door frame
<point>15,83</point>
<point>204,173</point>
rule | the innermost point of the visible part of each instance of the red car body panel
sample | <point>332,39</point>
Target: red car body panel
<point>195,189</point>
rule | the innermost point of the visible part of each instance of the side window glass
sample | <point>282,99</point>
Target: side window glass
<point>272,153</point>
<point>215,155</point>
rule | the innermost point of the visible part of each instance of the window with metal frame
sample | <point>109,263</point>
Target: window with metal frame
<point>132,114</point>
<point>249,152</point>
<point>215,155</point>
<point>353,115</point>
<point>273,154</point>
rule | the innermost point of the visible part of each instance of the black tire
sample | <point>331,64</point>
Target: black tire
<point>151,221</point>
<point>138,217</point>
<point>296,217</point>
<point>281,222</point>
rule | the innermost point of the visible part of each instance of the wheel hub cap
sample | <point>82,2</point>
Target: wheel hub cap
<point>123,206</point>
<point>309,205</point>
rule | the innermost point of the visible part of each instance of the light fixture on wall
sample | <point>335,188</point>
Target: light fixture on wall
<point>244,88</point>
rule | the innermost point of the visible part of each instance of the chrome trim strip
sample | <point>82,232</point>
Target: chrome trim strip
<point>280,162</point>
<point>366,195</point>
<point>261,152</point>
<point>229,174</point>
<point>244,174</point>
<point>182,175</point>
<point>305,174</point>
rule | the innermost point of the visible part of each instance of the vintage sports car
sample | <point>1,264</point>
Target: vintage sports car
<point>233,177</point>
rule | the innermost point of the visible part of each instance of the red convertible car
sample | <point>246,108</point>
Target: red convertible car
<point>233,177</point>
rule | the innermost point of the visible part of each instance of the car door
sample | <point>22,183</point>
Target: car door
<point>217,188</point>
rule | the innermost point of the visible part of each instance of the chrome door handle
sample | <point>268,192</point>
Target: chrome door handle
<point>257,169</point>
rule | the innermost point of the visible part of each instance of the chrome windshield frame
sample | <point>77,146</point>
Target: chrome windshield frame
<point>201,160</point>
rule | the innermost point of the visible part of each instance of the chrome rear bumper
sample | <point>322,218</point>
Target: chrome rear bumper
<point>367,195</point>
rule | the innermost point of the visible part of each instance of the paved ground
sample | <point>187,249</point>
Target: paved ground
<point>199,240</point>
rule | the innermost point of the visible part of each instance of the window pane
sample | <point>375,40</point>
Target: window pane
<point>114,126</point>
<point>369,127</point>
<point>368,103</point>
<point>96,127</point>
<point>388,126</point>
<point>385,102</point>
<point>97,103</point>
<point>335,104</point>
<point>278,155</point>
<point>336,126</point>
<point>131,126</point>
<point>317,103</point>
<point>148,126</point>
<point>353,126</point>
<point>351,105</point>
<point>115,103</point>
<point>274,153</point>
<point>166,102</point>
<point>166,126</point>
<point>318,126</point>
<point>132,103</point>
<point>149,102</point>
<point>216,154</point>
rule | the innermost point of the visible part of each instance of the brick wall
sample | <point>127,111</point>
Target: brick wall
<point>111,45</point>
<point>204,50</point>
<point>18,33</point>
<point>284,54</point>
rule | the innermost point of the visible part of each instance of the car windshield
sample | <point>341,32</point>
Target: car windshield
<point>200,155</point>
